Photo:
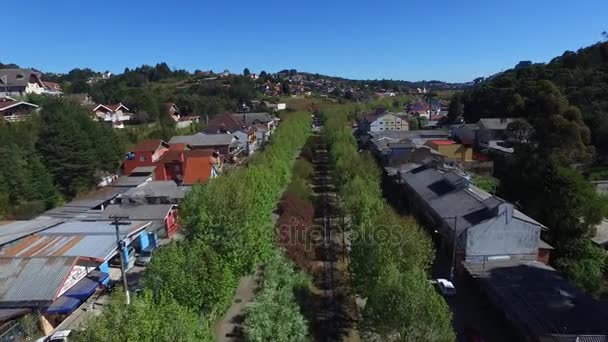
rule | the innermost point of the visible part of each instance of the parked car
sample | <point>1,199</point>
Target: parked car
<point>446,287</point>
<point>144,257</point>
<point>59,336</point>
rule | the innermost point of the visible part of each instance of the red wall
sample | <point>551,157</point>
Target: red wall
<point>129,165</point>
<point>171,223</point>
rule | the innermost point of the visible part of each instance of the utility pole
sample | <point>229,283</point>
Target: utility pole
<point>454,237</point>
<point>118,221</point>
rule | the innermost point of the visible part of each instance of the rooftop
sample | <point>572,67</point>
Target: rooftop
<point>81,205</point>
<point>204,139</point>
<point>15,230</point>
<point>32,280</point>
<point>96,240</point>
<point>126,181</point>
<point>149,145</point>
<point>167,189</point>
<point>138,211</point>
<point>539,300</point>
<point>495,123</point>
<point>440,142</point>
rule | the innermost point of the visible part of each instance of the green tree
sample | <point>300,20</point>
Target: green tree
<point>206,286</point>
<point>246,72</point>
<point>275,315</point>
<point>456,108</point>
<point>585,264</point>
<point>146,319</point>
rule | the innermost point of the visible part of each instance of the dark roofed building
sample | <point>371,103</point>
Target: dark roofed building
<point>19,82</point>
<point>539,304</point>
<point>485,227</point>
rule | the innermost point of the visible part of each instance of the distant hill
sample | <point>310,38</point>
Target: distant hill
<point>581,77</point>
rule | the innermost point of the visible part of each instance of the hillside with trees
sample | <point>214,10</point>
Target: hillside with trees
<point>563,134</point>
<point>56,155</point>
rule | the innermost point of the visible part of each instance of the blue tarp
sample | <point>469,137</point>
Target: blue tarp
<point>83,289</point>
<point>63,305</point>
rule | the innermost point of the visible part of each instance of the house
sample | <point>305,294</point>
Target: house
<point>275,106</point>
<point>451,150</point>
<point>13,110</point>
<point>154,192</point>
<point>172,110</point>
<point>226,144</point>
<point>20,82</point>
<point>146,153</point>
<point>163,217</point>
<point>188,166</point>
<point>493,134</point>
<point>380,121</point>
<point>269,121</point>
<point>116,114</point>
<point>470,223</point>
<point>52,88</point>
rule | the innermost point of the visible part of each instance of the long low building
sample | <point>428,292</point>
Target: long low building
<point>539,304</point>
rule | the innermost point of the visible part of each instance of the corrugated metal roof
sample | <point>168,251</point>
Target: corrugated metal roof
<point>32,279</point>
<point>125,181</point>
<point>84,239</point>
<point>167,189</point>
<point>138,211</point>
<point>18,229</point>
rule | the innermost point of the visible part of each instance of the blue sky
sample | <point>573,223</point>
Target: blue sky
<point>412,40</point>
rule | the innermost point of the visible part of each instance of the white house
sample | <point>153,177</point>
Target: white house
<point>116,114</point>
<point>380,122</point>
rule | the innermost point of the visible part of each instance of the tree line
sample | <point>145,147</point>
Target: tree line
<point>562,133</point>
<point>390,255</point>
<point>54,156</point>
<point>229,233</point>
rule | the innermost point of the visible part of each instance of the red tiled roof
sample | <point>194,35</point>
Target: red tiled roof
<point>148,145</point>
<point>443,142</point>
<point>175,155</point>
<point>7,103</point>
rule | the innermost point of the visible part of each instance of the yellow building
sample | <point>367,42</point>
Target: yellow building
<point>451,150</point>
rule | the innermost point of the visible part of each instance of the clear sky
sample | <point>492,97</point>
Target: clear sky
<point>450,40</point>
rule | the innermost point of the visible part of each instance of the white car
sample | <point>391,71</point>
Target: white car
<point>446,287</point>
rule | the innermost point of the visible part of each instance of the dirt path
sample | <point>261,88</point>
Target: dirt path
<point>229,328</point>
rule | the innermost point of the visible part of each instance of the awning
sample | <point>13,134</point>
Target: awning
<point>83,289</point>
<point>98,276</point>
<point>63,305</point>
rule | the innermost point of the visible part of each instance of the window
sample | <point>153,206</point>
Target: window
<point>381,122</point>
<point>398,128</point>
<point>382,129</point>
<point>142,158</point>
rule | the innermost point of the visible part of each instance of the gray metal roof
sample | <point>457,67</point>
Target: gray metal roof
<point>138,211</point>
<point>203,139</point>
<point>251,118</point>
<point>75,239</point>
<point>81,205</point>
<point>423,133</point>
<point>450,194</point>
<point>538,300</point>
<point>125,181</point>
<point>18,229</point>
<point>144,169</point>
<point>168,189</point>
<point>32,280</point>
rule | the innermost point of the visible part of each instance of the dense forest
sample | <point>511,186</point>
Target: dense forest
<point>561,139</point>
<point>53,157</point>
